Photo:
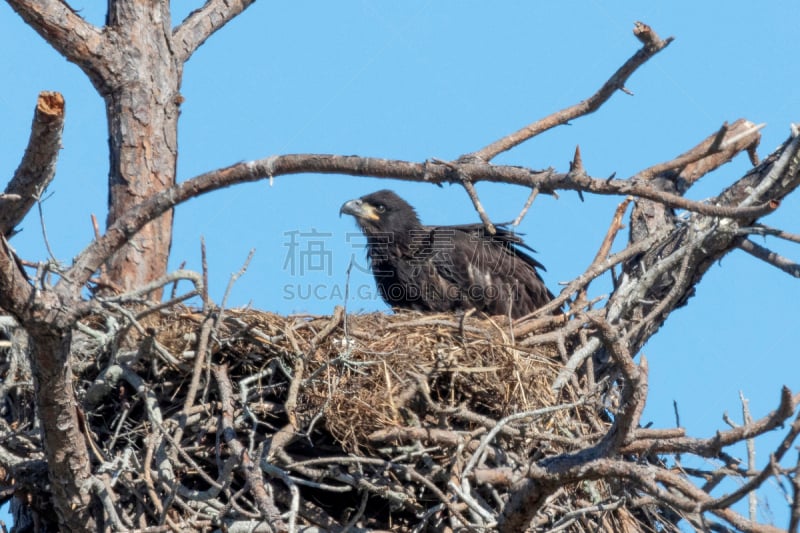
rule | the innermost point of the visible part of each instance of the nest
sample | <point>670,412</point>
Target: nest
<point>367,420</point>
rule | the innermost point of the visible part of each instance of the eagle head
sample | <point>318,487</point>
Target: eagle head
<point>382,212</point>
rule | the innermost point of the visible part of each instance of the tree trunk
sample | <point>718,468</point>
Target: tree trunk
<point>64,442</point>
<point>142,105</point>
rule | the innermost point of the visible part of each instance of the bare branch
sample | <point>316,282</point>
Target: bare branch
<point>745,490</point>
<point>763,229</point>
<point>774,259</point>
<point>634,388</point>
<point>38,166</point>
<point>202,23</point>
<point>528,203</point>
<point>794,520</point>
<point>712,446</point>
<point>611,234</point>
<point>782,172</point>
<point>65,30</point>
<point>473,195</point>
<point>712,152</point>
<point>16,293</point>
<point>126,226</point>
<point>652,45</point>
<point>597,268</point>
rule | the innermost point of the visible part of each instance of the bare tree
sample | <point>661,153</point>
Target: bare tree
<point>250,424</point>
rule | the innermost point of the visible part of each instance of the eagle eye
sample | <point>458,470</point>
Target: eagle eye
<point>380,208</point>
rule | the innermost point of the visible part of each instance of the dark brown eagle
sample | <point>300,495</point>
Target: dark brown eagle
<point>445,268</point>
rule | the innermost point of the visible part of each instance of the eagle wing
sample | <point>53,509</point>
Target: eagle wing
<point>487,272</point>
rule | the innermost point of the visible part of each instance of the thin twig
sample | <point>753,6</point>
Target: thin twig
<point>528,203</point>
<point>613,229</point>
<point>751,455</point>
<point>44,231</point>
<point>204,266</point>
<point>473,195</point>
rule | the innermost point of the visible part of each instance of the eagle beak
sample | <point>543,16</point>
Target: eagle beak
<point>359,209</point>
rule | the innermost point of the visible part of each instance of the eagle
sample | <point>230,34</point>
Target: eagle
<point>445,268</point>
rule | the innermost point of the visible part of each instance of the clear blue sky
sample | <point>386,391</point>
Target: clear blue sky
<point>421,79</point>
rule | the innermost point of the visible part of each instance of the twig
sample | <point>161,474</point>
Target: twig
<point>204,267</point>
<point>249,469</point>
<point>473,195</point>
<point>201,355</point>
<point>748,489</point>
<point>490,436</point>
<point>235,276</point>
<point>358,514</point>
<point>613,229</point>
<point>44,231</point>
<point>473,505</point>
<point>676,291</point>
<point>528,203</point>
<point>788,160</point>
<point>751,455</point>
<point>596,269</point>
<point>137,294</point>
<point>652,45</point>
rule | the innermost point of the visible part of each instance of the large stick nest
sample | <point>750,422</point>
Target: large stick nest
<point>374,420</point>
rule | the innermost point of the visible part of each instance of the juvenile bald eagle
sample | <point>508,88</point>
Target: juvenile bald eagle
<point>445,268</point>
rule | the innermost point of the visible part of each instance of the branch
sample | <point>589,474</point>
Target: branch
<point>476,202</point>
<point>250,470</point>
<point>611,234</point>
<point>762,229</point>
<point>710,154</point>
<point>38,166</point>
<point>202,23</point>
<point>650,282</point>
<point>712,446</point>
<point>634,389</point>
<point>679,174</point>
<point>652,45</point>
<point>528,203</point>
<point>794,519</point>
<point>73,37</point>
<point>16,293</point>
<point>774,259</point>
<point>90,259</point>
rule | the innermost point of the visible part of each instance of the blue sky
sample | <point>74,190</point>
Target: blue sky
<point>422,79</point>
